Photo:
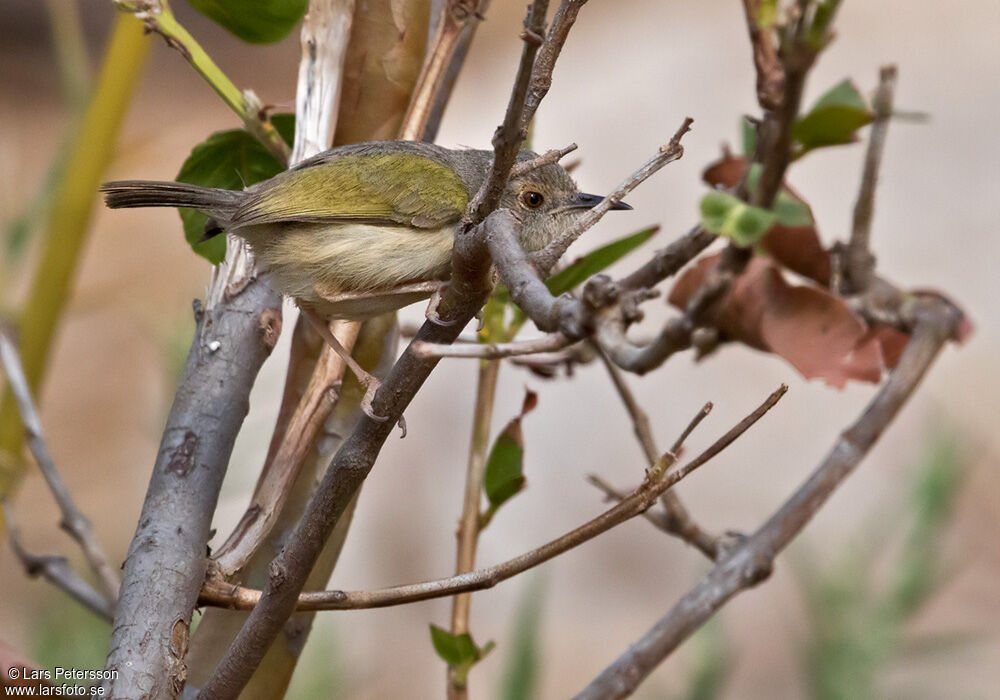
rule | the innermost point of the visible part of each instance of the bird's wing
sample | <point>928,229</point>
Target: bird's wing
<point>401,188</point>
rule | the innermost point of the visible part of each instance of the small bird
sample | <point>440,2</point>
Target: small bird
<point>366,228</point>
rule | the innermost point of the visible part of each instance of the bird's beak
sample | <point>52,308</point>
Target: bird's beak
<point>589,201</point>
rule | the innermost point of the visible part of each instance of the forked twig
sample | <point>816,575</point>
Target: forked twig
<point>73,520</point>
<point>635,503</point>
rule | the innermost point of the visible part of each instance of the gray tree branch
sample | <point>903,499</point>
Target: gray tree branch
<point>751,562</point>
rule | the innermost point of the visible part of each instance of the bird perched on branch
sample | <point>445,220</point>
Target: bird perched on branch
<point>367,228</point>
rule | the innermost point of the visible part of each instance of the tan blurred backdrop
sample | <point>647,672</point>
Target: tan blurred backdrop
<point>630,72</point>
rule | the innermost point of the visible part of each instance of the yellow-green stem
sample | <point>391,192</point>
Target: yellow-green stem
<point>162,21</point>
<point>468,527</point>
<point>67,224</point>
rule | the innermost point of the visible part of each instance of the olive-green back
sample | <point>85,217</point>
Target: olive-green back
<point>382,188</point>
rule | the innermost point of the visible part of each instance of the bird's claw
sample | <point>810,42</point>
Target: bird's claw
<point>431,313</point>
<point>371,385</point>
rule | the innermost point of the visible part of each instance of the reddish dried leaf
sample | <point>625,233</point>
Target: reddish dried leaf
<point>816,332</point>
<point>798,248</point>
<point>725,172</point>
<point>812,329</point>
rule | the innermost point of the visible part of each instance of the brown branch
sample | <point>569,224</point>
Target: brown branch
<point>676,520</point>
<point>635,503</point>
<point>541,77</point>
<point>858,261</point>
<point>770,74</point>
<point>73,520</point>
<point>455,27</point>
<point>668,261</point>
<point>511,133</point>
<point>452,72</point>
<point>549,157</point>
<point>751,561</point>
<point>56,570</point>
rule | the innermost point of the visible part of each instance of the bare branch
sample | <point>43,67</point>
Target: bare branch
<point>546,258</point>
<point>636,503</point>
<point>469,524</point>
<point>669,261</point>
<point>750,562</point>
<point>493,351</point>
<point>281,471</point>
<point>56,570</point>
<point>547,158</point>
<point>73,520</point>
<point>677,520</point>
<point>859,263</point>
<point>511,133</point>
<point>541,78</point>
<point>770,74</point>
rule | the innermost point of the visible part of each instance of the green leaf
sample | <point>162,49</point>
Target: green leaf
<point>255,21</point>
<point>597,260</point>
<point>504,476</point>
<point>230,160</point>
<point>727,215</point>
<point>834,118</point>
<point>458,650</point>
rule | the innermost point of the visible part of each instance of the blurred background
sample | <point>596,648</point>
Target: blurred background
<point>891,592</point>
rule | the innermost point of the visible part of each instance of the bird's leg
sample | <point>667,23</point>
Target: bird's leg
<point>367,381</point>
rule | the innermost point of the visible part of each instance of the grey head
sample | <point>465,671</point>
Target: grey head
<point>545,199</point>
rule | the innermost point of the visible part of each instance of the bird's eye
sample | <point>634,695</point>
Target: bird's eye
<point>532,199</point>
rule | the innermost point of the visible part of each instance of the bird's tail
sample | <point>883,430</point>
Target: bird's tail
<point>127,194</point>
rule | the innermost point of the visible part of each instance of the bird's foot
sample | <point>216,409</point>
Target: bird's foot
<point>431,314</point>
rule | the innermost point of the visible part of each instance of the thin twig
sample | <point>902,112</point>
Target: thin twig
<point>546,258</point>
<point>770,74</point>
<point>56,570</point>
<point>549,157</point>
<point>751,561</point>
<point>73,520</point>
<point>636,503</point>
<point>469,524</point>
<point>859,262</point>
<point>676,520</point>
<point>493,351</point>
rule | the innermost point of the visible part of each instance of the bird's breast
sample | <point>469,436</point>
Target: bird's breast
<point>347,258</point>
